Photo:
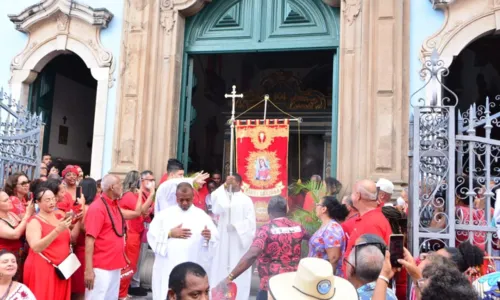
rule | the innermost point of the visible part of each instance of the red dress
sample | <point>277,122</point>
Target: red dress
<point>39,275</point>
<point>77,280</point>
<point>16,247</point>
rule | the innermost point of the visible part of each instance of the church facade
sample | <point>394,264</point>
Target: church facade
<point>346,67</point>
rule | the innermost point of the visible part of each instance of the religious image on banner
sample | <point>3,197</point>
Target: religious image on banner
<point>262,161</point>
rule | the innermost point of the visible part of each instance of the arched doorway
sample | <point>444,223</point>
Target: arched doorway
<point>284,48</point>
<point>65,94</point>
<point>59,30</point>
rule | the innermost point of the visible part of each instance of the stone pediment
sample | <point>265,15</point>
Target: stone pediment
<point>33,14</point>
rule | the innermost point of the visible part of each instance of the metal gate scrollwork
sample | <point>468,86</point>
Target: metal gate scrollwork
<point>20,137</point>
<point>455,168</point>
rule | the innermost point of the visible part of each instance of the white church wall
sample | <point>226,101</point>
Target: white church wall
<point>76,102</point>
<point>13,42</point>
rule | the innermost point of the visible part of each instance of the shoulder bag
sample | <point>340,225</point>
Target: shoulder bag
<point>67,267</point>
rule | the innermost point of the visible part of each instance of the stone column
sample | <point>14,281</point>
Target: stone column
<point>150,83</point>
<point>374,100</point>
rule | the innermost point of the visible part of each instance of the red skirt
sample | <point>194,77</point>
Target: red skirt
<point>77,279</point>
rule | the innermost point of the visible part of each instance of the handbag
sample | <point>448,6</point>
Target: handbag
<point>67,267</point>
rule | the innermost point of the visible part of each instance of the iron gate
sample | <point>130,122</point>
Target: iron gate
<point>20,136</point>
<point>455,168</point>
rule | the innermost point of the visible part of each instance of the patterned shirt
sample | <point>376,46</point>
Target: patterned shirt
<point>280,241</point>
<point>366,292</point>
<point>329,236</point>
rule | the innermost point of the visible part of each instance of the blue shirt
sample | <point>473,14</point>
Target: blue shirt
<point>366,292</point>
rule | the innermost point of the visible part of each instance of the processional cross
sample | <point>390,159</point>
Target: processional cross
<point>233,95</point>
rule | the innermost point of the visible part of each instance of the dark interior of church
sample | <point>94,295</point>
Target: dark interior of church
<point>64,92</point>
<point>299,83</point>
<point>475,75</point>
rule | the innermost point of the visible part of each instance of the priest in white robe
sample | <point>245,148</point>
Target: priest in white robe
<point>236,228</point>
<point>179,234</point>
<point>165,195</point>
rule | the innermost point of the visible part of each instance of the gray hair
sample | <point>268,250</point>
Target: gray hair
<point>368,264</point>
<point>277,206</point>
<point>107,182</point>
<point>366,194</point>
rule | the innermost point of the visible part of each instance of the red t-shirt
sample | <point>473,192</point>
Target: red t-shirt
<point>163,178</point>
<point>281,243</point>
<point>19,205</point>
<point>68,204</point>
<point>373,222</point>
<point>108,247</point>
<point>129,201</point>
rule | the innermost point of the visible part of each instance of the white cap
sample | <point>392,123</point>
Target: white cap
<point>385,185</point>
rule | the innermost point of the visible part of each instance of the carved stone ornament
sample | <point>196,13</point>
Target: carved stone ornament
<point>62,25</point>
<point>441,3</point>
<point>464,22</point>
<point>351,10</point>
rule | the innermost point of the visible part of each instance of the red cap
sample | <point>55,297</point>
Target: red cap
<point>70,168</point>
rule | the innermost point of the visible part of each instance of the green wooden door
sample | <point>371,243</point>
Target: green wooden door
<point>41,96</point>
<point>229,26</point>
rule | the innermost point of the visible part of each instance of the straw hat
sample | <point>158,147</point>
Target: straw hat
<point>313,280</point>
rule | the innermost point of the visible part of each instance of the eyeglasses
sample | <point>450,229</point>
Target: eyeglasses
<point>320,204</point>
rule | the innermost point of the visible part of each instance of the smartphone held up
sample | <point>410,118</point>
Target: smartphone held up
<point>396,248</point>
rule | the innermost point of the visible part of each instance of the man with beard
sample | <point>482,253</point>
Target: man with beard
<point>179,234</point>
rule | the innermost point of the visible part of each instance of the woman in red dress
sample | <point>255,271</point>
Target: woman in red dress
<point>17,187</point>
<point>89,191</point>
<point>12,229</point>
<point>48,234</point>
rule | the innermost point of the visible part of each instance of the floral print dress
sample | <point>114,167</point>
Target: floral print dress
<point>328,236</point>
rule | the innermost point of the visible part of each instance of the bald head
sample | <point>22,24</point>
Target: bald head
<point>184,194</point>
<point>111,186</point>
<point>364,195</point>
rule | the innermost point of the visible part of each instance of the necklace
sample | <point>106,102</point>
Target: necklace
<point>7,291</point>
<point>111,219</point>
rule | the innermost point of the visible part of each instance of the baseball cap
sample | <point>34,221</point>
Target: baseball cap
<point>385,185</point>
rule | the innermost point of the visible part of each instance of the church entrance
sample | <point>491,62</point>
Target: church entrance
<point>284,48</point>
<point>298,82</point>
<point>65,94</point>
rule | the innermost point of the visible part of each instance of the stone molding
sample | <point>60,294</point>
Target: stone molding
<point>465,21</point>
<point>374,97</point>
<point>56,27</point>
<point>373,87</point>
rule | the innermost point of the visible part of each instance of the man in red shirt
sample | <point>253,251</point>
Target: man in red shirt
<point>104,242</point>
<point>370,219</point>
<point>135,230</point>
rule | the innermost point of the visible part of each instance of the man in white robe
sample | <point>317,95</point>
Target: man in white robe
<point>165,195</point>
<point>236,229</point>
<point>179,234</point>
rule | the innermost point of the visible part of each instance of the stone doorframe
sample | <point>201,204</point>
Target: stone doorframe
<point>465,22</point>
<point>373,87</point>
<point>55,27</point>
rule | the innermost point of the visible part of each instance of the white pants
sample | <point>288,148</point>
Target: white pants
<point>106,285</point>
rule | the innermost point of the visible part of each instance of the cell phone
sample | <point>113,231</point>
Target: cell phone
<point>396,248</point>
<point>78,192</point>
<point>138,184</point>
<point>30,196</point>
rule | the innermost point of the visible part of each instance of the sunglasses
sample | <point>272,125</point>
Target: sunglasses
<point>24,183</point>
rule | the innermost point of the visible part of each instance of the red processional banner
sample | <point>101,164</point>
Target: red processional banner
<point>262,161</point>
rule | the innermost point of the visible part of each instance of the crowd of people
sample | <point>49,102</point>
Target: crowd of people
<point>67,236</point>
